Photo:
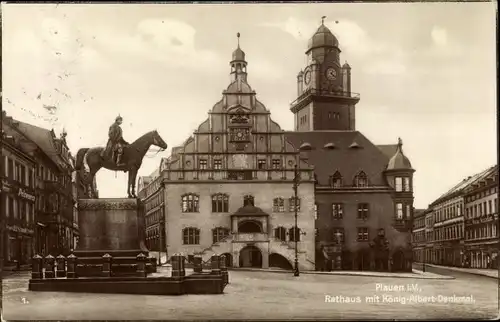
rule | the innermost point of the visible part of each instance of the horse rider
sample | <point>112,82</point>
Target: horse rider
<point>116,143</point>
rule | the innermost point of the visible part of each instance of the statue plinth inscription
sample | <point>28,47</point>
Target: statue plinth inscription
<point>109,226</point>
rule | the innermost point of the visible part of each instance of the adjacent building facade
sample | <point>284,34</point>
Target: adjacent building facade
<point>461,226</point>
<point>481,221</point>
<point>152,193</point>
<point>54,206</point>
<point>364,192</point>
<point>17,199</point>
<point>419,234</point>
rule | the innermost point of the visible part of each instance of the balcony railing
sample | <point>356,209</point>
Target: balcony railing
<point>324,92</point>
<point>251,237</point>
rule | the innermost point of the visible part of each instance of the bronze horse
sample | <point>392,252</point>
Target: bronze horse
<point>90,160</point>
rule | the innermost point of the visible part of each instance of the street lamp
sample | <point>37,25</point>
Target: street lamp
<point>423,259</point>
<point>296,183</point>
<point>161,223</point>
<point>338,236</point>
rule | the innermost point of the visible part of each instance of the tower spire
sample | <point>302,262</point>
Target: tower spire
<point>323,20</point>
<point>400,144</point>
<point>238,36</point>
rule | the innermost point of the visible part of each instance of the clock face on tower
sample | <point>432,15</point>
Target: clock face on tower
<point>307,77</point>
<point>331,74</point>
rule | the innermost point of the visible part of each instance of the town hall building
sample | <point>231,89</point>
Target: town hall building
<point>229,188</point>
<point>363,193</point>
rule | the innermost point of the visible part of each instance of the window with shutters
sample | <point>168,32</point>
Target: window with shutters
<point>280,233</point>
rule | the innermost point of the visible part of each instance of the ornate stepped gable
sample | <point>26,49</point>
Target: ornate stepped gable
<point>238,134</point>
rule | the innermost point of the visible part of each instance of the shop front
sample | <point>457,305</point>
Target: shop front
<point>19,246</point>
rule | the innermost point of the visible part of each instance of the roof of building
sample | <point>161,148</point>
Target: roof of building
<point>418,212</point>
<point>399,161</point>
<point>462,185</point>
<point>250,210</point>
<point>323,37</point>
<point>388,149</point>
<point>43,138</point>
<point>489,173</point>
<point>238,54</point>
<point>352,152</point>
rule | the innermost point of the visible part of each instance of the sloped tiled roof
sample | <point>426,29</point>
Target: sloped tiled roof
<point>388,149</point>
<point>418,213</point>
<point>42,138</point>
<point>348,161</point>
<point>399,161</point>
<point>489,173</point>
<point>250,210</point>
<point>462,185</point>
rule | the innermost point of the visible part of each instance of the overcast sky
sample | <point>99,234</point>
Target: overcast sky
<point>425,72</point>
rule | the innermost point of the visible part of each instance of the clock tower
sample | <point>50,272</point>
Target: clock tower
<point>325,100</point>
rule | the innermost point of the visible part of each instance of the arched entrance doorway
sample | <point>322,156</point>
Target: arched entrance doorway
<point>249,226</point>
<point>364,260</point>
<point>277,260</point>
<point>347,260</point>
<point>250,256</point>
<point>398,261</point>
<point>229,259</point>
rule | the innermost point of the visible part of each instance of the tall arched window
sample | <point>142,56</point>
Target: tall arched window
<point>336,180</point>
<point>278,205</point>
<point>220,203</point>
<point>190,203</point>
<point>294,232</point>
<point>361,180</point>
<point>191,236</point>
<point>219,234</point>
<point>280,233</point>
<point>248,200</point>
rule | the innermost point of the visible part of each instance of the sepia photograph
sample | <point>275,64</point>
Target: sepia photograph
<point>249,161</point>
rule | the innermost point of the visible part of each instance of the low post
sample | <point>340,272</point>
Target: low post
<point>106,265</point>
<point>71,260</point>
<point>176,265</point>
<point>223,268</point>
<point>182,262</point>
<point>198,267</point>
<point>49,266</point>
<point>141,265</point>
<point>61,266</point>
<point>37,267</point>
<point>215,265</point>
<point>154,263</point>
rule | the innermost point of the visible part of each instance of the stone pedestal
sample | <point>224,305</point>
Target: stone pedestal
<point>114,227</point>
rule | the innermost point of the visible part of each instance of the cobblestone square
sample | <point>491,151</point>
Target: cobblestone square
<point>264,295</point>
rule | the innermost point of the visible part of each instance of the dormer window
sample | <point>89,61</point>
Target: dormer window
<point>336,180</point>
<point>329,146</point>
<point>305,146</point>
<point>361,180</point>
<point>354,145</point>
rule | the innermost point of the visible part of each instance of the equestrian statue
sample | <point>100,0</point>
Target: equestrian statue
<point>118,155</point>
